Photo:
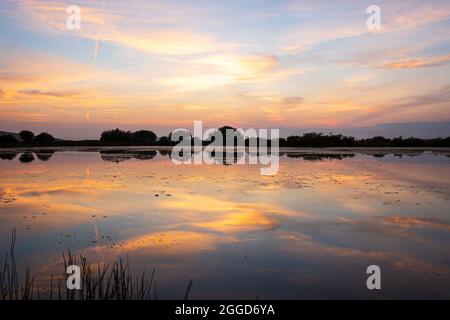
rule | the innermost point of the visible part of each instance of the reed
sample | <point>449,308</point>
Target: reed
<point>100,281</point>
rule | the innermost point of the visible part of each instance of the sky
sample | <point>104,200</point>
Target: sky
<point>161,65</point>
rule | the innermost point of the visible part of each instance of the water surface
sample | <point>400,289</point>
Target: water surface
<point>310,231</point>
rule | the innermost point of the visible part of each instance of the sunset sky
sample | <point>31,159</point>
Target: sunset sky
<point>163,64</point>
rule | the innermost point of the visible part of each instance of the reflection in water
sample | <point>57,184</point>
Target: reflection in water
<point>8,155</point>
<point>44,155</point>
<point>123,155</point>
<point>221,157</point>
<point>164,152</point>
<point>309,231</point>
<point>318,157</point>
<point>26,157</point>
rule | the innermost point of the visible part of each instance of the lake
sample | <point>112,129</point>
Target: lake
<point>310,231</point>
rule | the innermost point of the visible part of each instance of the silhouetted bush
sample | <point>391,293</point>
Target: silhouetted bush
<point>400,142</point>
<point>443,142</point>
<point>117,135</point>
<point>145,136</point>
<point>8,140</point>
<point>230,137</point>
<point>164,141</point>
<point>318,140</point>
<point>26,136</point>
<point>44,138</point>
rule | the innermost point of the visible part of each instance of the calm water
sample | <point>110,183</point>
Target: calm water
<point>308,232</point>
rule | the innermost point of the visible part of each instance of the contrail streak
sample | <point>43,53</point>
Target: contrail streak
<point>99,33</point>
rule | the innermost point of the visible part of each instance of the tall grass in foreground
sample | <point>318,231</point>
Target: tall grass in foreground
<point>98,282</point>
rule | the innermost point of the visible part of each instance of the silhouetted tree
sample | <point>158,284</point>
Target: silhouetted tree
<point>377,141</point>
<point>26,136</point>
<point>318,140</point>
<point>117,135</point>
<point>8,140</point>
<point>230,136</point>
<point>164,141</point>
<point>443,142</point>
<point>44,138</point>
<point>145,136</point>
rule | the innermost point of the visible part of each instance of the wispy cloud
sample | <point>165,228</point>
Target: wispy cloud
<point>119,25</point>
<point>56,94</point>
<point>346,20</point>
<point>408,63</point>
<point>426,101</point>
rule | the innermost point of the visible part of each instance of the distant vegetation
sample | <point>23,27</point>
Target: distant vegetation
<point>145,136</point>
<point>44,138</point>
<point>118,137</point>
<point>319,140</point>
<point>27,138</point>
<point>8,140</point>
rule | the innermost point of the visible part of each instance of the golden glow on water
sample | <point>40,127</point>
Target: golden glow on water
<point>312,228</point>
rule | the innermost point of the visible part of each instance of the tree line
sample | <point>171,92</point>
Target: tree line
<point>320,140</point>
<point>307,140</point>
<point>27,137</point>
<point>148,137</point>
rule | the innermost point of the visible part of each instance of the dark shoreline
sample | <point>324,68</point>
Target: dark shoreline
<point>282,150</point>
<point>230,136</point>
<point>424,145</point>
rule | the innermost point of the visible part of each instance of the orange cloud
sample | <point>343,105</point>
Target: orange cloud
<point>170,242</point>
<point>249,221</point>
<point>410,222</point>
<point>416,62</point>
<point>420,15</point>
